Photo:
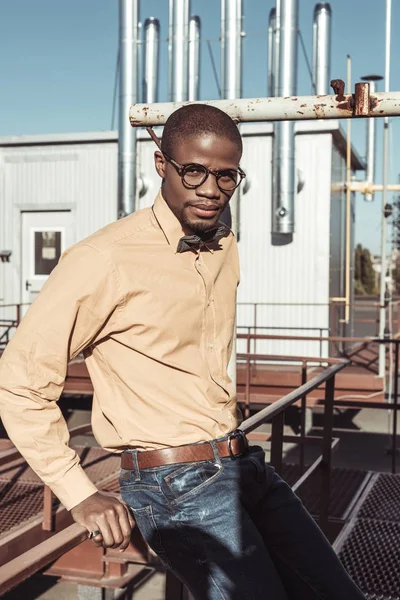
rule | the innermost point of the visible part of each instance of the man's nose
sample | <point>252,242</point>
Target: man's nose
<point>209,188</point>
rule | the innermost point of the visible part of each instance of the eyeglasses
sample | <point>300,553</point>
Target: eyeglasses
<point>193,175</point>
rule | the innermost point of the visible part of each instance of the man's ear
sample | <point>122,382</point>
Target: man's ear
<point>160,163</point>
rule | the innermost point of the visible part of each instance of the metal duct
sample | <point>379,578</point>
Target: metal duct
<point>283,176</point>
<point>271,51</point>
<point>231,48</point>
<point>194,58</point>
<point>128,84</point>
<point>322,28</point>
<point>178,50</point>
<point>151,60</point>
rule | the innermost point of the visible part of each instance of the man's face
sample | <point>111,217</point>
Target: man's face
<point>200,209</point>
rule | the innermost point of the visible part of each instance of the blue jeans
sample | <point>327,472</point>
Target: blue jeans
<point>232,529</point>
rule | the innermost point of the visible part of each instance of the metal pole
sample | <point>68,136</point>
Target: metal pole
<point>327,454</point>
<point>382,312</point>
<point>194,58</point>
<point>348,208</point>
<point>296,108</point>
<point>283,164</point>
<point>303,410</point>
<point>128,82</point>
<point>179,50</point>
<point>395,404</point>
<point>151,59</point>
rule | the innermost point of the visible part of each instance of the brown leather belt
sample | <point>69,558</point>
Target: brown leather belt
<point>236,445</point>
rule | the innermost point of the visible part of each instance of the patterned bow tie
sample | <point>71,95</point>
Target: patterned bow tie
<point>187,242</point>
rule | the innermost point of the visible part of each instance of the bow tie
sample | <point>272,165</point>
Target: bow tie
<point>187,242</point>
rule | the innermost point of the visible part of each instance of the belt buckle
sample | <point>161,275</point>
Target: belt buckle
<point>238,433</point>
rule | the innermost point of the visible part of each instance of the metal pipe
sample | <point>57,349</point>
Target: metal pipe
<point>297,108</point>
<point>382,312</point>
<point>283,164</point>
<point>370,150</point>
<point>231,48</point>
<point>151,60</point>
<point>348,210</point>
<point>322,27</point>
<point>271,51</point>
<point>178,49</point>
<point>278,9</point>
<point>128,37</point>
<point>194,58</point>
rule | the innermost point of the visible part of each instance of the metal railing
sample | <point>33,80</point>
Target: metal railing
<point>274,414</point>
<point>38,557</point>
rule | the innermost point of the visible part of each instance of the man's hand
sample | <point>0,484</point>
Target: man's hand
<point>107,515</point>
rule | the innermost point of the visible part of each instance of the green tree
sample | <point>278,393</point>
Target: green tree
<point>364,274</point>
<point>367,272</point>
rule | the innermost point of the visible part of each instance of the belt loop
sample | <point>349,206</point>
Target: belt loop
<point>136,465</point>
<point>214,447</point>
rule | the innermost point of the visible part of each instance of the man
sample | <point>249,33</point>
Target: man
<point>150,301</point>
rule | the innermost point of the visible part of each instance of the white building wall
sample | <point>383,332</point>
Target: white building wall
<point>79,171</point>
<point>286,276</point>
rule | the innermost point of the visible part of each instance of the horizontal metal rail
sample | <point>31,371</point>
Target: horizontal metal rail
<point>267,414</point>
<point>37,558</point>
<point>297,108</point>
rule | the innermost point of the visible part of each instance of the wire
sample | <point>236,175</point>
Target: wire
<point>307,61</point>
<point>214,68</point>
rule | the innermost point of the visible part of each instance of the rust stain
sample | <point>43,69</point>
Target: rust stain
<point>303,105</point>
<point>361,100</point>
<point>373,102</point>
<point>338,88</point>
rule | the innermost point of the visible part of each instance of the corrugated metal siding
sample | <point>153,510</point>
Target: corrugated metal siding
<point>84,176</point>
<point>95,187</point>
<point>292,274</point>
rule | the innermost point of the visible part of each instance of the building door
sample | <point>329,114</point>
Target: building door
<point>45,235</point>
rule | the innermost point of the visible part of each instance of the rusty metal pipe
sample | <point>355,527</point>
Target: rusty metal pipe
<point>297,108</point>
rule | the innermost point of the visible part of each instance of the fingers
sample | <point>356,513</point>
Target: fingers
<point>107,516</point>
<point>115,526</point>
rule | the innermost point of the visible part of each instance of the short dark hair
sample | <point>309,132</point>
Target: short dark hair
<point>197,119</point>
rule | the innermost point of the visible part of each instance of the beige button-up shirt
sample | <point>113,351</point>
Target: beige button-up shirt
<point>155,327</point>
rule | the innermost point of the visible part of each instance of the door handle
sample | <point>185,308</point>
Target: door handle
<point>27,285</point>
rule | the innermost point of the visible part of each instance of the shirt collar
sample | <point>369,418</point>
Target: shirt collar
<point>170,225</point>
<point>167,221</point>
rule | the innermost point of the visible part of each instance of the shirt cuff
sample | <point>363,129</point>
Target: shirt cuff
<point>74,487</point>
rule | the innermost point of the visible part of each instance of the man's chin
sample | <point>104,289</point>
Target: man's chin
<point>203,226</point>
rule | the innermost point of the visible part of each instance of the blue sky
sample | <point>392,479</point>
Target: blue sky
<point>57,66</point>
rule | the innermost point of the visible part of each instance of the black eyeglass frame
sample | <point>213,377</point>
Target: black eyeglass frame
<point>180,168</point>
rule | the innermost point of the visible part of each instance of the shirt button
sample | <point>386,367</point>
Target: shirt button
<point>211,346</point>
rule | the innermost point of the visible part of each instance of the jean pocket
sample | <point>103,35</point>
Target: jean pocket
<point>188,480</point>
<point>144,484</point>
<point>144,519</point>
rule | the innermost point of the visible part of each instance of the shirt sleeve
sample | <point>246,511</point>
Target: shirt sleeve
<point>76,308</point>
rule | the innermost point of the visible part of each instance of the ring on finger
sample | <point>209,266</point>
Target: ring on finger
<point>93,534</point>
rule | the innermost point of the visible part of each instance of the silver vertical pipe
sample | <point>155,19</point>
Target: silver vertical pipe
<point>277,52</point>
<point>271,51</point>
<point>322,28</point>
<point>231,48</point>
<point>284,156</point>
<point>179,49</point>
<point>194,58</point>
<point>128,83</point>
<point>371,148</point>
<point>151,60</point>
<point>382,310</point>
